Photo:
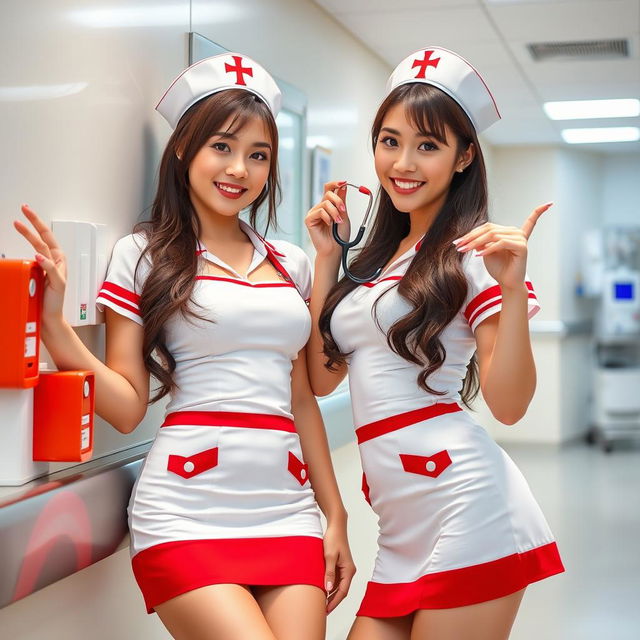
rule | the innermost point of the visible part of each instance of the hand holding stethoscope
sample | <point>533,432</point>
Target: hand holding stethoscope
<point>328,225</point>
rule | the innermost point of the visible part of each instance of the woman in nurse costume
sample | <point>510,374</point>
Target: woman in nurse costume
<point>226,536</point>
<point>460,535</point>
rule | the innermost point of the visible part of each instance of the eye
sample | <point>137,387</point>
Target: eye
<point>220,146</point>
<point>388,141</point>
<point>260,155</point>
<point>428,146</point>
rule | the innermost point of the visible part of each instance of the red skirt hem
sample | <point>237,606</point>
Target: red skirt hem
<point>167,570</point>
<point>462,587</point>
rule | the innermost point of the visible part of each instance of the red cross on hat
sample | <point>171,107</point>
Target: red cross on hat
<point>239,70</point>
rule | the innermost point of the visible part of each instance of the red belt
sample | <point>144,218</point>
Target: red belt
<point>230,419</point>
<point>393,423</point>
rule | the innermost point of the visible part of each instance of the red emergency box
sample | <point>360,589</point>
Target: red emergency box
<point>63,405</point>
<point>21,287</point>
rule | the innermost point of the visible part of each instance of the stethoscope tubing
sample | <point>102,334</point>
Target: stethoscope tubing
<point>345,245</point>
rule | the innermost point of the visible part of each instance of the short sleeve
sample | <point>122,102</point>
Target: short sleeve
<point>484,297</point>
<point>297,264</point>
<point>120,291</point>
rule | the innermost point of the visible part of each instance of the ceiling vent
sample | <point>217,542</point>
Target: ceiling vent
<point>585,50</point>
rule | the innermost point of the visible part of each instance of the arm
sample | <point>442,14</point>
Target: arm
<point>315,450</point>
<point>122,384</point>
<point>507,368</point>
<point>323,381</point>
<point>319,223</point>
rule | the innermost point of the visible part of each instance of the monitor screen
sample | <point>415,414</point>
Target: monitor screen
<point>623,290</point>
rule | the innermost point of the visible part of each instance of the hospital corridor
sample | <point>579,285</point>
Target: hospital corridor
<point>293,289</point>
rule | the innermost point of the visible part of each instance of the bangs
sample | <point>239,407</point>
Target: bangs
<point>426,109</point>
<point>251,106</point>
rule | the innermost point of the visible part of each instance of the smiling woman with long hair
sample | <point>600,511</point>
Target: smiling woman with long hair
<point>226,537</point>
<point>460,536</point>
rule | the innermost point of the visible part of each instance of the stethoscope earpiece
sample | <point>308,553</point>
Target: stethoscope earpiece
<point>345,245</point>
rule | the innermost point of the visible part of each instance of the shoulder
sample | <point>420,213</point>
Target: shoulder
<point>133,244</point>
<point>296,263</point>
<point>291,255</point>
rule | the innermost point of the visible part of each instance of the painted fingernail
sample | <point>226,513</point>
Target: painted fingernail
<point>462,249</point>
<point>457,241</point>
<point>342,207</point>
<point>338,219</point>
<point>342,183</point>
<point>39,258</point>
<point>329,586</point>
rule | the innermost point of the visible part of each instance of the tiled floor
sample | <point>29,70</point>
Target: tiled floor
<point>592,502</point>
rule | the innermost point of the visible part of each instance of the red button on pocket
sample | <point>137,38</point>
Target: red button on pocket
<point>365,488</point>
<point>431,466</point>
<point>298,469</point>
<point>187,467</point>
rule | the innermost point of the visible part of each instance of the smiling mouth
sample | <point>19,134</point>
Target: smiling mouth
<point>406,186</point>
<point>229,190</point>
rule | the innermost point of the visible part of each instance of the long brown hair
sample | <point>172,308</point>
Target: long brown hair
<point>174,228</point>
<point>434,283</point>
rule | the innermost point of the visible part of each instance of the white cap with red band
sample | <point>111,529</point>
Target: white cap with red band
<point>453,75</point>
<point>214,74</point>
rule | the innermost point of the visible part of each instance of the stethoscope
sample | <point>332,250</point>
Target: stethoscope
<point>345,245</point>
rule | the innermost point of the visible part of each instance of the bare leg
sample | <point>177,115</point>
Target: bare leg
<point>216,612</point>
<point>381,628</point>
<point>490,620</point>
<point>293,611</point>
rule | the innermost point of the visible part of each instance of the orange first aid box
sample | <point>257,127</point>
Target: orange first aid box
<point>63,404</point>
<point>22,285</point>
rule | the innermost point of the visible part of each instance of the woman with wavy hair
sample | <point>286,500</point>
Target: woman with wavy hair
<point>226,537</point>
<point>460,534</point>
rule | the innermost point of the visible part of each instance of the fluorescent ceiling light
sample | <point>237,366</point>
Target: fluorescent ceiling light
<point>606,134</point>
<point>580,109</point>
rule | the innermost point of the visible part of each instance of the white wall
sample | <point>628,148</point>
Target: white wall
<point>522,178</point>
<point>621,189</point>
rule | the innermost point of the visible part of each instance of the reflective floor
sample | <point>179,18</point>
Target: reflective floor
<point>592,502</point>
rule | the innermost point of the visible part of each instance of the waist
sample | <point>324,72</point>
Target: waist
<point>230,419</point>
<point>400,420</point>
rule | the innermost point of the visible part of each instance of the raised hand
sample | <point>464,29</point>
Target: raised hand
<point>50,257</point>
<point>320,218</point>
<point>504,249</point>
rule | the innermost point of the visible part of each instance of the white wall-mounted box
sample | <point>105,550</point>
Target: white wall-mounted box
<point>84,245</point>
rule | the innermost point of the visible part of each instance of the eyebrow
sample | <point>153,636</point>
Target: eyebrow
<point>419,134</point>
<point>230,136</point>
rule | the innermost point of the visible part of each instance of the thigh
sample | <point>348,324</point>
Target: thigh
<point>490,620</point>
<point>365,628</point>
<point>293,611</point>
<point>215,612</point>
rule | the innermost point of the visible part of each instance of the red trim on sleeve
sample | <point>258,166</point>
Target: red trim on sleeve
<point>119,303</point>
<point>487,299</point>
<point>121,291</point>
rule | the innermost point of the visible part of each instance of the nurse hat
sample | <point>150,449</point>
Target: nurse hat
<point>453,75</point>
<point>217,73</point>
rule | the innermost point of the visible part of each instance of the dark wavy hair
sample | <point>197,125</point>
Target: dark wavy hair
<point>434,284</point>
<point>173,230</point>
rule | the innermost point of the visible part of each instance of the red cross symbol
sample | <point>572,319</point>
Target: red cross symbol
<point>426,62</point>
<point>239,70</point>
